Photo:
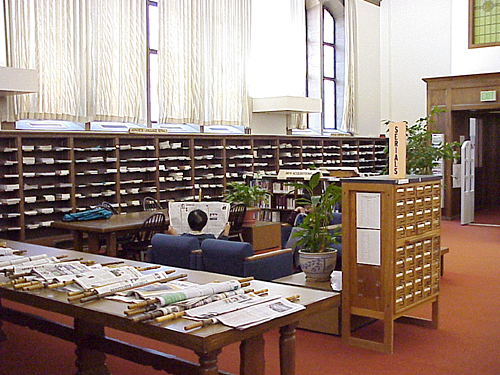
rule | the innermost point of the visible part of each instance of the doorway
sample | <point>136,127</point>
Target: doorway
<point>487,159</point>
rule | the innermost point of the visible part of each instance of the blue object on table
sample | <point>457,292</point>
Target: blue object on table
<point>91,214</point>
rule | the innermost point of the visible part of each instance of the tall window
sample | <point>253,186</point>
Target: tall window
<point>152,29</point>
<point>326,65</point>
<point>329,72</point>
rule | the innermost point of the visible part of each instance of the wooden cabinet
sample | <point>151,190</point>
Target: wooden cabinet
<point>262,235</point>
<point>391,256</point>
<point>44,175</point>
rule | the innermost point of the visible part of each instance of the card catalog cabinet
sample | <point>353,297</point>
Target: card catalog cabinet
<point>390,252</point>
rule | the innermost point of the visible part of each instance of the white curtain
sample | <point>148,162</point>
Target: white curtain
<point>348,118</point>
<point>89,55</point>
<point>202,58</point>
<point>118,46</point>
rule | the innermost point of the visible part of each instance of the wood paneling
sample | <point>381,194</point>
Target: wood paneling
<point>453,94</point>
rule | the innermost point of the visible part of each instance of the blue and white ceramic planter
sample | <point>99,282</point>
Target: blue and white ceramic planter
<point>318,266</point>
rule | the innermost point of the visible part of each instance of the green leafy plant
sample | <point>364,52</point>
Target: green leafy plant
<point>421,155</point>
<point>241,193</point>
<point>315,236</point>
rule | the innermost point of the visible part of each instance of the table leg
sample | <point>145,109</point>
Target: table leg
<point>94,244</point>
<point>287,349</point>
<point>78,240</point>
<point>3,336</point>
<point>435,314</point>
<point>111,246</point>
<point>89,361</point>
<point>208,362</point>
<point>252,356</point>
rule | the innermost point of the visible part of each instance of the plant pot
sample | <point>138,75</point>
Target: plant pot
<point>318,266</point>
<point>251,215</point>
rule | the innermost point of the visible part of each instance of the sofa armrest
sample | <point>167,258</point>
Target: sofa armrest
<point>269,266</point>
<point>333,226</point>
<point>268,254</point>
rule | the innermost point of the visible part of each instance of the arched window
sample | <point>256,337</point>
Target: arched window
<point>325,65</point>
<point>329,72</point>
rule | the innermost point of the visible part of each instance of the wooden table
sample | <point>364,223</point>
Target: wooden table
<point>90,320</point>
<point>107,228</point>
<point>327,321</point>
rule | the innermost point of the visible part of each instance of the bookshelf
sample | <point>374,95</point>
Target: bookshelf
<point>46,174</point>
<point>391,253</point>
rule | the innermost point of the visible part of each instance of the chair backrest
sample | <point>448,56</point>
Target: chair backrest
<point>236,216</point>
<point>109,207</point>
<point>156,223</point>
<point>175,251</point>
<point>226,257</point>
<point>151,204</point>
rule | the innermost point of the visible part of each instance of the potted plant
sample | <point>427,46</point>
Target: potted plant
<point>317,258</point>
<point>421,154</point>
<point>250,196</point>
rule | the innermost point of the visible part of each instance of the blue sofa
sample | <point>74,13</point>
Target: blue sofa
<point>175,251</point>
<point>238,259</point>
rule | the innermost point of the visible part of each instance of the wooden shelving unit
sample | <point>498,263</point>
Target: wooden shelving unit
<point>391,256</point>
<point>44,175</point>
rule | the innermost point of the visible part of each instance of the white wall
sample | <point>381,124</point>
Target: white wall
<point>368,69</point>
<point>3,49</point>
<point>415,44</point>
<point>268,123</point>
<point>463,59</point>
<point>421,39</point>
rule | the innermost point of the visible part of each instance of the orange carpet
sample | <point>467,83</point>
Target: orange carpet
<point>466,343</point>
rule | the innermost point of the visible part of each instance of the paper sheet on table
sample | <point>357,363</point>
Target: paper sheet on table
<point>227,305</point>
<point>217,212</point>
<point>257,314</point>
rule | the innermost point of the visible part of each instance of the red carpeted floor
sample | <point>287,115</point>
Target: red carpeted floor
<point>466,343</point>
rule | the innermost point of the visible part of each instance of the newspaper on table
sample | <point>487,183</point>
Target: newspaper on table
<point>27,267</point>
<point>106,276</point>
<point>8,262</point>
<point>257,314</point>
<point>245,310</point>
<point>65,271</point>
<point>130,283</point>
<point>217,212</point>
<point>229,304</point>
<point>152,291</point>
<point>8,258</point>
<point>6,251</point>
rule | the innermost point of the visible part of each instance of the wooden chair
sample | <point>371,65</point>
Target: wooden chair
<point>151,204</point>
<point>236,216</point>
<point>136,245</point>
<point>108,207</point>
